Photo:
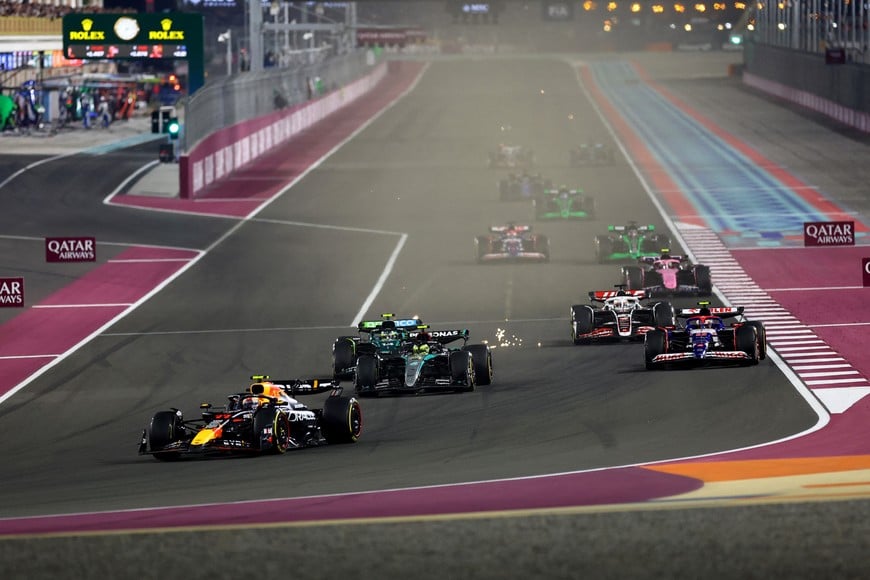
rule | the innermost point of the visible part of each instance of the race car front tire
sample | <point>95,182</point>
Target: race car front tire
<point>654,343</point>
<point>366,376</point>
<point>481,358</point>
<point>341,420</point>
<point>746,340</point>
<point>482,246</point>
<point>762,337</point>
<point>462,369</point>
<point>277,421</point>
<point>164,430</point>
<point>582,322</point>
<point>664,314</point>
<point>343,354</point>
<point>603,249</point>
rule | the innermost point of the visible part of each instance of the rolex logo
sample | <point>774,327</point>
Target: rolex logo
<point>86,33</point>
<point>166,32</point>
<point>166,24</point>
<point>87,23</point>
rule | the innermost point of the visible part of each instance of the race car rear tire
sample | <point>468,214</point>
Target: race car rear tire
<point>654,243</point>
<point>366,376</point>
<point>762,337</point>
<point>589,206</point>
<point>341,420</point>
<point>664,314</point>
<point>481,358</point>
<point>746,340</point>
<point>462,369</point>
<point>633,277</point>
<point>654,343</point>
<point>702,280</point>
<point>482,247</point>
<point>603,249</point>
<point>543,245</point>
<point>343,354</point>
<point>582,322</point>
<point>270,417</point>
<point>164,430</point>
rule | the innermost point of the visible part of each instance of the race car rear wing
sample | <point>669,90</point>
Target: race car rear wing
<point>295,387</point>
<point>400,323</point>
<point>514,227</point>
<point>443,336</point>
<point>648,228</point>
<point>654,259</point>
<point>721,312</point>
<point>602,295</point>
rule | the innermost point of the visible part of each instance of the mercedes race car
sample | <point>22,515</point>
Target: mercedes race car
<point>523,186</point>
<point>425,363</point>
<point>705,338</point>
<point>266,418</point>
<point>512,156</point>
<point>512,243</point>
<point>629,242</point>
<point>591,154</point>
<point>668,275</point>
<point>564,203</point>
<point>384,336</point>
<point>621,316</point>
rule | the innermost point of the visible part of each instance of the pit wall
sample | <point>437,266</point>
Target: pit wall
<point>838,91</point>
<point>227,150</point>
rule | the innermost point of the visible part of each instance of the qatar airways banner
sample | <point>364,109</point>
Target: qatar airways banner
<point>11,292</point>
<point>829,233</point>
<point>70,250</point>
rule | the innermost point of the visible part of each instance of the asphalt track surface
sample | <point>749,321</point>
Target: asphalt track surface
<point>271,298</point>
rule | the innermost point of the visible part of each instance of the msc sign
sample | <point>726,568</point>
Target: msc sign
<point>70,250</point>
<point>829,233</point>
<point>11,292</point>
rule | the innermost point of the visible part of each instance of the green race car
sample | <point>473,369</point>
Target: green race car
<point>564,203</point>
<point>629,242</point>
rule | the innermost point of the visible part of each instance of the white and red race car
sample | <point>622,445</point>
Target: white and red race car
<point>621,316</point>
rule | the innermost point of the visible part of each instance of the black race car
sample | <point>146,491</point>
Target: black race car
<point>620,316</point>
<point>266,418</point>
<point>512,243</point>
<point>384,336</point>
<point>512,156</point>
<point>591,154</point>
<point>523,186</point>
<point>425,363</point>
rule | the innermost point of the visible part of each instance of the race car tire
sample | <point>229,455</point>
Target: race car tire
<point>539,206</point>
<point>366,376</point>
<point>582,322</point>
<point>462,369</point>
<point>543,245</point>
<point>654,343</point>
<point>341,420</point>
<point>481,358</point>
<point>633,277</point>
<point>343,355</point>
<point>277,420</point>
<point>164,430</point>
<point>664,314</point>
<point>762,337</point>
<point>746,340</point>
<point>589,206</point>
<point>654,243</point>
<point>603,249</point>
<point>702,280</point>
<point>481,248</point>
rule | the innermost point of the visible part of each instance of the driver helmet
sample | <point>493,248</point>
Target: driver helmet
<point>421,349</point>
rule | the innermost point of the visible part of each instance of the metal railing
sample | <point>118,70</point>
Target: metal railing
<point>230,100</point>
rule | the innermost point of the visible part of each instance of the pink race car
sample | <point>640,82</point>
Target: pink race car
<point>668,275</point>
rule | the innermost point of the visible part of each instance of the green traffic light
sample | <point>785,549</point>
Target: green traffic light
<point>173,128</point>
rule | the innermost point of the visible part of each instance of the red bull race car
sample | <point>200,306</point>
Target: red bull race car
<point>266,418</point>
<point>704,338</point>
<point>668,275</point>
<point>618,315</point>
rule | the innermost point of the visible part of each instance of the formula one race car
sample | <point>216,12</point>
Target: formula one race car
<point>564,203</point>
<point>522,187</point>
<point>384,336</point>
<point>622,316</point>
<point>424,363</point>
<point>668,275</point>
<point>591,154</point>
<point>512,242</point>
<point>266,418</point>
<point>629,242</point>
<point>512,156</point>
<point>705,338</point>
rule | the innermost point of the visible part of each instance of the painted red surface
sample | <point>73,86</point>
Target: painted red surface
<point>596,488</point>
<point>73,313</point>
